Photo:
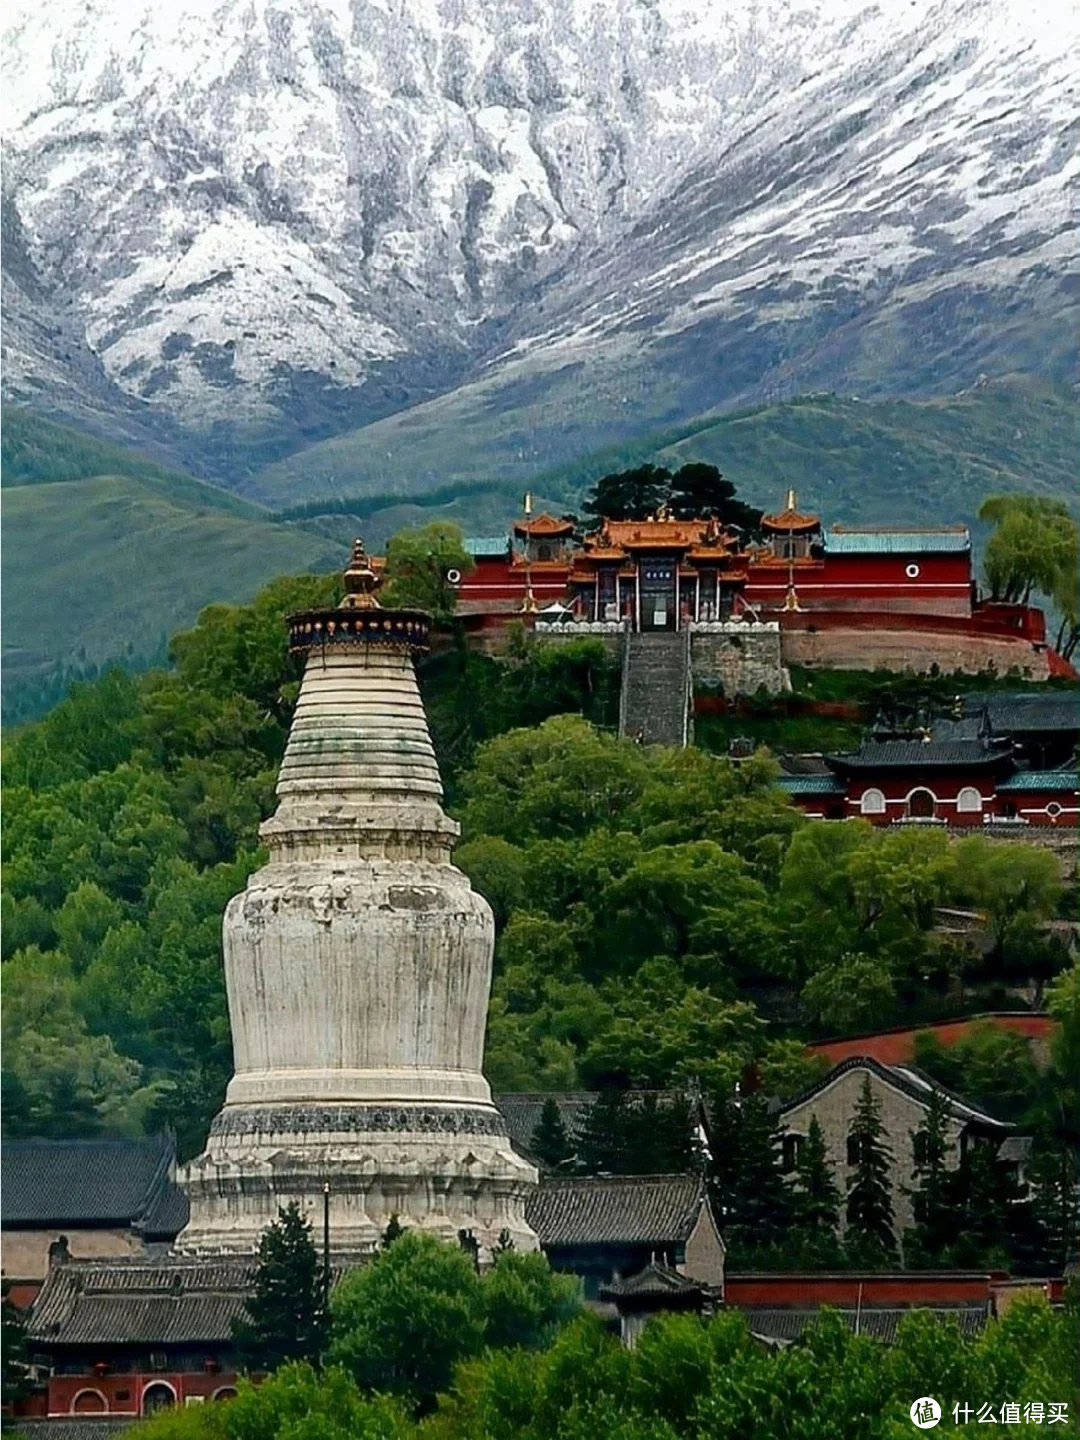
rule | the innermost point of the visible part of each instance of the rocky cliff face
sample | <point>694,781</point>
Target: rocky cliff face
<point>281,217</point>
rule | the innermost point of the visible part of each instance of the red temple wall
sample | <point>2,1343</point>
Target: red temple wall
<point>897,1047</point>
<point>1051,807</point>
<point>123,1394</point>
<point>940,586</point>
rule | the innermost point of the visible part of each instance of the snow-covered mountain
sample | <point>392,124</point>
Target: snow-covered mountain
<point>282,217</point>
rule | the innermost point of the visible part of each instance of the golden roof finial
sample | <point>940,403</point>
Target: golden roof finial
<point>792,501</point>
<point>361,581</point>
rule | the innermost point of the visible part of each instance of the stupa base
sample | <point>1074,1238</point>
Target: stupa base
<point>442,1169</point>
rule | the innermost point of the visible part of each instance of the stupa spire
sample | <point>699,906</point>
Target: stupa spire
<point>358,971</point>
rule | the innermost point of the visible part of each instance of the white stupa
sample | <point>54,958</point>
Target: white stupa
<point>358,969</point>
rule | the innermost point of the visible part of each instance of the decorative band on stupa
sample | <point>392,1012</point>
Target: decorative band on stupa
<point>358,972</point>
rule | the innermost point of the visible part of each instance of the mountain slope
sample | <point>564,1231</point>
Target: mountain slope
<point>859,461</point>
<point>278,219</point>
<point>101,567</point>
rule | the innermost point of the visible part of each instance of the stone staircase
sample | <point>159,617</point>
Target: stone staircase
<point>656,688</point>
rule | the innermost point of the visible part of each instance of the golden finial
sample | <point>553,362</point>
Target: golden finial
<point>361,581</point>
<point>792,499</point>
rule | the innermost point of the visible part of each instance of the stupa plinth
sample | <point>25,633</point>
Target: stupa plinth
<point>358,971</point>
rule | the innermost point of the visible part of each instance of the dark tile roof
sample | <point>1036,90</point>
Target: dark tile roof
<point>918,755</point>
<point>616,1210</point>
<point>810,784</point>
<point>909,1081</point>
<point>85,1182</point>
<point>112,1302</point>
<point>1038,781</point>
<point>521,1111</point>
<point>1020,712</point>
<point>73,1427</point>
<point>166,1215</point>
<point>655,1282</point>
<point>785,1326</point>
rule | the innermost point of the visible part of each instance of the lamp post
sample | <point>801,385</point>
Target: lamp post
<point>326,1246</point>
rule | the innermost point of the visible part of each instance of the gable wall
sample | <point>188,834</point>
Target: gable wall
<point>835,1108</point>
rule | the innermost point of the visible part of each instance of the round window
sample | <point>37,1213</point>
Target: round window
<point>1053,809</point>
<point>454,577</point>
<point>912,572</point>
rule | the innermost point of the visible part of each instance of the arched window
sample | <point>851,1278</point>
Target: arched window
<point>158,1396</point>
<point>922,805</point>
<point>969,801</point>
<point>872,802</point>
<point>227,1392</point>
<point>89,1402</point>
<point>791,1146</point>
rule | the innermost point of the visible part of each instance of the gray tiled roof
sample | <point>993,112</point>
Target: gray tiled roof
<point>1040,780</point>
<point>1019,711</point>
<point>73,1427</point>
<point>880,1324</point>
<point>86,1182</point>
<point>655,1281</point>
<point>616,1210</point>
<point>839,541</point>
<point>810,784</point>
<point>917,755</point>
<point>172,1302</point>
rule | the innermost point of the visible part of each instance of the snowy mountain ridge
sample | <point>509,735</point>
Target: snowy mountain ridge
<point>284,213</point>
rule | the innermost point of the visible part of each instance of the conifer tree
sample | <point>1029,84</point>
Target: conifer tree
<point>930,1194</point>
<point>285,1316</point>
<point>869,1202</point>
<point>817,1200</point>
<point>753,1201</point>
<point>394,1229</point>
<point>1054,1178</point>
<point>602,1136</point>
<point>550,1143</point>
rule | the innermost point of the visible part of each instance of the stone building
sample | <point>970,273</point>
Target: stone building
<point>358,969</point>
<point>903,1094</point>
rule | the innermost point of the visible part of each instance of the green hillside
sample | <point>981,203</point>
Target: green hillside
<point>884,461</point>
<point>102,566</point>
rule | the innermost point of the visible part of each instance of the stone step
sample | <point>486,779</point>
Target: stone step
<point>656,688</point>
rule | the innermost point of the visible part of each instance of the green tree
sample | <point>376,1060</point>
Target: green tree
<point>418,566</point>
<point>754,1203</point>
<point>285,1316</point>
<point>628,494</point>
<point>1054,1177</point>
<point>550,1143</point>
<point>604,1144</point>
<point>816,1202</point>
<point>523,1301</point>
<point>869,1198</point>
<point>698,491</point>
<point>403,1321</point>
<point>1011,883</point>
<point>931,1191</point>
<point>13,1350</point>
<point>854,993</point>
<point>1034,547</point>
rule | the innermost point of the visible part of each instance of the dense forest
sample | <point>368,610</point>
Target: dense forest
<point>663,917</point>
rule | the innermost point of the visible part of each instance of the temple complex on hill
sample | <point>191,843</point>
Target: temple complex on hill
<point>842,597</point>
<point>358,968</point>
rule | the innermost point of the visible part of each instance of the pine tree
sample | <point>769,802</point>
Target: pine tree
<point>603,1135</point>
<point>285,1316</point>
<point>1053,1177</point>
<point>869,1201</point>
<point>817,1199</point>
<point>394,1229</point>
<point>934,1222</point>
<point>550,1143</point>
<point>753,1200</point>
